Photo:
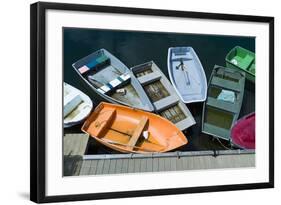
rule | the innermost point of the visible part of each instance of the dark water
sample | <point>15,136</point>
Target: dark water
<point>134,48</point>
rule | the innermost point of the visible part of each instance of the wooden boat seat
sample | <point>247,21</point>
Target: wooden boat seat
<point>71,101</point>
<point>137,133</point>
<point>97,61</point>
<point>94,63</point>
<point>150,77</point>
<point>246,62</point>
<point>181,59</point>
<point>226,84</point>
<point>114,83</point>
<point>101,122</point>
<point>166,102</point>
<point>219,104</point>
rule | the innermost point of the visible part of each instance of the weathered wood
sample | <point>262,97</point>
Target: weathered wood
<point>143,166</point>
<point>161,164</point>
<point>112,166</point>
<point>167,164</point>
<point>179,165</point>
<point>155,165</point>
<point>100,167</point>
<point>106,166</point>
<point>72,165</point>
<point>149,165</point>
<point>75,144</point>
<point>174,164</point>
<point>93,167</point>
<point>117,166</point>
<point>125,165</point>
<point>85,168</point>
<point>137,165</point>
<point>131,165</point>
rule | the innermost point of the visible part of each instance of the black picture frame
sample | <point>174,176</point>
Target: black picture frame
<point>38,100</point>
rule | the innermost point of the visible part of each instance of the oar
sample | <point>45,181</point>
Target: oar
<point>122,144</point>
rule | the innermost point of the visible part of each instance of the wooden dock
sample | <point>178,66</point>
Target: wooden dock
<point>77,163</point>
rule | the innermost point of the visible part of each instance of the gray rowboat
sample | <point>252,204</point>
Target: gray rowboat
<point>108,77</point>
<point>162,95</point>
<point>223,105</point>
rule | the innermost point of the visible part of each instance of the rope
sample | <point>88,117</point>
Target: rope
<point>222,143</point>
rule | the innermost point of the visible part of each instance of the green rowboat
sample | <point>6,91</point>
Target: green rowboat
<point>241,58</point>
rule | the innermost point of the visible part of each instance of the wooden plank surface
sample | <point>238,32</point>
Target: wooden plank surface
<point>138,165</point>
<point>74,147</point>
<point>75,144</point>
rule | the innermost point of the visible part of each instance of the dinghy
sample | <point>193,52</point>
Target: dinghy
<point>130,130</point>
<point>187,74</point>
<point>112,80</point>
<point>162,95</point>
<point>222,107</point>
<point>242,59</point>
<point>76,105</point>
<point>243,132</point>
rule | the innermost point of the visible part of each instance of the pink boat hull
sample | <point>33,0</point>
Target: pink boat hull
<point>243,133</point>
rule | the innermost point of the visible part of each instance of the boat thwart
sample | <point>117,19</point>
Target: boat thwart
<point>76,105</point>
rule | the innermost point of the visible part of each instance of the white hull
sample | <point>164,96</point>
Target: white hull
<point>77,106</point>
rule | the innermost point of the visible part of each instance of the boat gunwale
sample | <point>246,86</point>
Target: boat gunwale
<point>172,78</point>
<point>89,101</point>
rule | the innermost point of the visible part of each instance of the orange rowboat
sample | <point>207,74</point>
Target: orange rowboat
<point>131,130</point>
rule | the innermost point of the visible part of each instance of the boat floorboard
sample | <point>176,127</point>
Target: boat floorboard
<point>131,97</point>
<point>75,146</point>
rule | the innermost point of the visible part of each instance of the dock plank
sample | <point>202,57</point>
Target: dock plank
<point>149,165</point>
<point>125,164</point>
<point>156,164</point>
<point>131,166</point>
<point>167,163</point>
<point>143,166</point>
<point>93,167</point>
<point>85,168</point>
<point>118,167</point>
<point>75,144</point>
<point>100,167</point>
<point>179,163</point>
<point>112,166</point>
<point>106,166</point>
<point>137,165</point>
<point>174,164</point>
<point>161,164</point>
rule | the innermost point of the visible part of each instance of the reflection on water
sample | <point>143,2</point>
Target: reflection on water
<point>134,48</point>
